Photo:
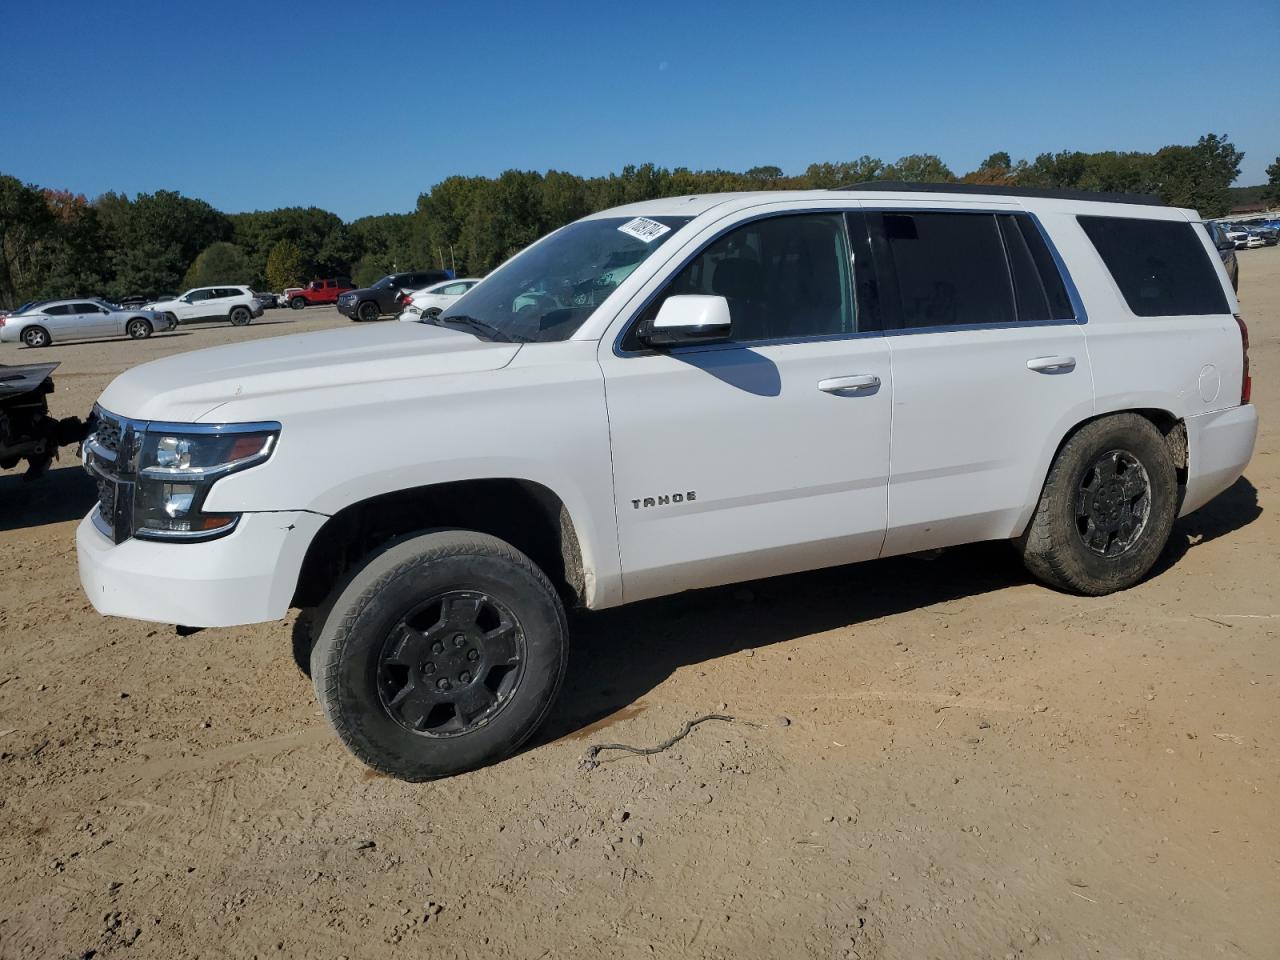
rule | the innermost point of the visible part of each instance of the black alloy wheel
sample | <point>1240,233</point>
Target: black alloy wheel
<point>1113,502</point>
<point>451,664</point>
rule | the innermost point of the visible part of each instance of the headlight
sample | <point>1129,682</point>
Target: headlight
<point>179,464</point>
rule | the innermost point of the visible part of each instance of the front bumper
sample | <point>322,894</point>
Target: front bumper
<point>248,576</point>
<point>347,309</point>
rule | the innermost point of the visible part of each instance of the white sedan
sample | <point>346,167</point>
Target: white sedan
<point>434,299</point>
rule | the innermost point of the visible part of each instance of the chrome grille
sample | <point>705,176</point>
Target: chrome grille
<point>108,456</point>
<point>108,430</point>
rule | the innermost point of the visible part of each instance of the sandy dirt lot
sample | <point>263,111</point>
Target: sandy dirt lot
<point>932,758</point>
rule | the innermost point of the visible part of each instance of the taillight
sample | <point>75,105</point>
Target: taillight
<point>1246,381</point>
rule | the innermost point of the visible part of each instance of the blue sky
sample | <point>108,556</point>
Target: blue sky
<point>359,108</point>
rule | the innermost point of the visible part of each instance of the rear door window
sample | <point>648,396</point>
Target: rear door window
<point>1161,266</point>
<point>949,269</point>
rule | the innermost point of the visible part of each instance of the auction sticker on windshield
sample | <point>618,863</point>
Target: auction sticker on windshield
<point>642,228</point>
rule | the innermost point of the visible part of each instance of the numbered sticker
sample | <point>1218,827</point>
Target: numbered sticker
<point>644,229</point>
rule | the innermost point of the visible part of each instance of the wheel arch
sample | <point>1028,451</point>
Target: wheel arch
<point>526,514</point>
<point>1173,427</point>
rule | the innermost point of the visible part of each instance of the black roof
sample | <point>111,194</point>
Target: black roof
<point>990,190</point>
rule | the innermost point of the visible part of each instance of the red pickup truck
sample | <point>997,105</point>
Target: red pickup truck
<point>319,291</point>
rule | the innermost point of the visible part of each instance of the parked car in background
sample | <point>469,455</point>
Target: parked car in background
<point>320,291</point>
<point>435,299</point>
<point>133,302</point>
<point>1269,236</point>
<point>384,297</point>
<point>1226,250</point>
<point>1254,241</point>
<point>269,301</point>
<point>235,304</point>
<point>79,319</point>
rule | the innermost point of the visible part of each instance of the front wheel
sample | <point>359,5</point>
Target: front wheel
<point>441,654</point>
<point>297,303</point>
<point>1106,510</point>
<point>138,329</point>
<point>367,311</point>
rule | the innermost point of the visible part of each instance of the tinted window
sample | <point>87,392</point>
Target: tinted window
<point>950,269</point>
<point>1161,266</point>
<point>85,308</point>
<point>59,310</point>
<point>197,295</point>
<point>784,277</point>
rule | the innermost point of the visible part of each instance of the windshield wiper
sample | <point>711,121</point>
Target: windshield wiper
<point>473,324</point>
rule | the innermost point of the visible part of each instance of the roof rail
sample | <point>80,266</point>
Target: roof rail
<point>991,190</point>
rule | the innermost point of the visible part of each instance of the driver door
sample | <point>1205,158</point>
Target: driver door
<point>763,455</point>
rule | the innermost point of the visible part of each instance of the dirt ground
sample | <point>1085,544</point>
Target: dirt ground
<point>931,758</point>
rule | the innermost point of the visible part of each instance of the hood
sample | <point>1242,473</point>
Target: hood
<point>190,386</point>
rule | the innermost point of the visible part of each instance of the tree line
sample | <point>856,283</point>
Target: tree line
<point>55,243</point>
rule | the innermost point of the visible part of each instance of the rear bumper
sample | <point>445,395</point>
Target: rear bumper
<point>248,576</point>
<point>1219,447</point>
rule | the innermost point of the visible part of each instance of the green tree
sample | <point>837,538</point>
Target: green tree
<point>1198,176</point>
<point>827,176</point>
<point>1273,180</point>
<point>284,267</point>
<point>219,262</point>
<point>918,168</point>
<point>25,221</point>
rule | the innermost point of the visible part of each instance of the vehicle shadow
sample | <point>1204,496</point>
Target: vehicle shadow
<point>64,493</point>
<point>620,655</point>
<point>1235,507</point>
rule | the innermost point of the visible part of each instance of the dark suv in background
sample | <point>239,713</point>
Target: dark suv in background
<point>1226,250</point>
<point>384,296</point>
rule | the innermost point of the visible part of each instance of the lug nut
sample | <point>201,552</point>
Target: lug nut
<point>473,655</point>
<point>428,667</point>
<point>437,647</point>
<point>464,677</point>
<point>442,684</point>
<point>459,640</point>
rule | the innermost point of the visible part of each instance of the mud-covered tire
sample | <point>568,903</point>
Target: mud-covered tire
<point>357,683</point>
<point>1054,547</point>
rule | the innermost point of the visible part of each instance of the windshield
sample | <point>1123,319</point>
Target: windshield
<point>382,284</point>
<point>549,291</point>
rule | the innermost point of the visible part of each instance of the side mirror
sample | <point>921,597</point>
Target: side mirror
<point>1225,244</point>
<point>688,319</point>
<point>186,299</point>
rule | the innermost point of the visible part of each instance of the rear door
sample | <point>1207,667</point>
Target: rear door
<point>90,320</point>
<point>989,369</point>
<point>765,455</point>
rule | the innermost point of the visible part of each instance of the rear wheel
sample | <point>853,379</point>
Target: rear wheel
<point>36,337</point>
<point>442,654</point>
<point>297,303</point>
<point>368,311</point>
<point>138,329</point>
<point>1106,510</point>
<point>240,316</point>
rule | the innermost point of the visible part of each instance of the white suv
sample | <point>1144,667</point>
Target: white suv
<point>665,396</point>
<point>235,304</point>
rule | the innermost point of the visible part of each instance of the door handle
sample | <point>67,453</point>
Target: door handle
<point>841,385</point>
<point>1052,364</point>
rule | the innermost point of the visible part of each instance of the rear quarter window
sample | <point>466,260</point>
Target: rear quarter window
<point>1161,266</point>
